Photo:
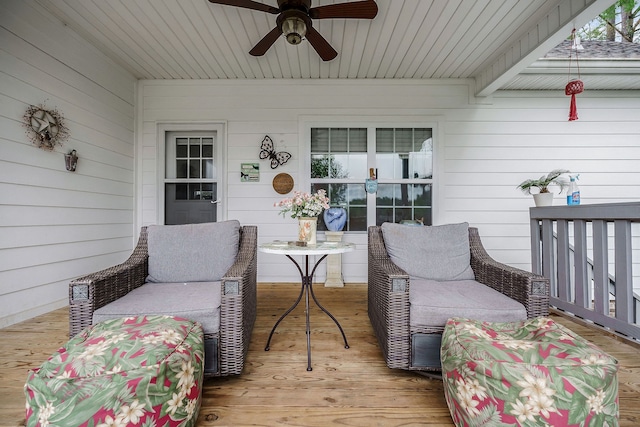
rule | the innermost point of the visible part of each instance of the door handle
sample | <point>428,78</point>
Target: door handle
<point>213,202</point>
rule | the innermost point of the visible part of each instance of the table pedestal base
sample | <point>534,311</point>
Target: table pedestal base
<point>307,289</point>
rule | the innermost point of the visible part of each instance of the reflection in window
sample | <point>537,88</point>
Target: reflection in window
<point>403,159</point>
<point>338,153</point>
<point>352,197</point>
<point>404,153</point>
<point>398,202</point>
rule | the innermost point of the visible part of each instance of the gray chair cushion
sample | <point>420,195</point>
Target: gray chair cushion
<point>197,301</point>
<point>433,303</point>
<point>433,252</point>
<point>192,252</point>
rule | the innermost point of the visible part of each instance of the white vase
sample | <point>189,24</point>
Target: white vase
<point>543,199</point>
<point>307,227</point>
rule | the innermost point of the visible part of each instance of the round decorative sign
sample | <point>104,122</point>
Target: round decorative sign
<point>45,127</point>
<point>283,183</point>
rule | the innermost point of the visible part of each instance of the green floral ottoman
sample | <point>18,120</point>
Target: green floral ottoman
<point>143,371</point>
<point>531,373</point>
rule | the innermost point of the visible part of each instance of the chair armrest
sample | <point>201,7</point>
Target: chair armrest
<point>90,292</point>
<point>238,304</point>
<point>388,302</point>
<point>530,289</point>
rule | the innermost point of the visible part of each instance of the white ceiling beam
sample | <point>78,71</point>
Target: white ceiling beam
<point>555,27</point>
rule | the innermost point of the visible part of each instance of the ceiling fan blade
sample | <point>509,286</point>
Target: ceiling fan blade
<point>248,4</point>
<point>263,45</point>
<point>356,10</point>
<point>322,46</point>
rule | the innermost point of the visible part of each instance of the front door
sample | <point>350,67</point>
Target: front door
<point>191,187</point>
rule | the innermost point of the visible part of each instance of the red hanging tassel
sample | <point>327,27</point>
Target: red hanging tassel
<point>574,87</point>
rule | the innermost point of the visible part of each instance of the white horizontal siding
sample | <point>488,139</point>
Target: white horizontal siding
<point>485,148</point>
<point>57,225</point>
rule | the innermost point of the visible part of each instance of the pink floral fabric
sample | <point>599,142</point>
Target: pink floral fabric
<point>137,371</point>
<point>531,373</point>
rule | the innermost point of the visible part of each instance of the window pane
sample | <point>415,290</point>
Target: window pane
<point>387,165</point>
<point>194,192</point>
<point>384,141</point>
<point>320,166</point>
<point>207,168</point>
<point>181,147</point>
<point>358,140</point>
<point>357,219</point>
<point>404,140</point>
<point>339,139</point>
<point>421,160</point>
<point>319,140</point>
<point>181,168</point>
<point>194,168</point>
<point>194,147</point>
<point>207,150</point>
<point>207,192</point>
<point>181,191</point>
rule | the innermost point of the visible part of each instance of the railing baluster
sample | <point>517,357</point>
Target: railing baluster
<point>564,273</point>
<point>582,278</point>
<point>624,275</point>
<point>548,257</point>
<point>600,267</point>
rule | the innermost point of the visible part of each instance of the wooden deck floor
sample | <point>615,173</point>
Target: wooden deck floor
<point>347,387</point>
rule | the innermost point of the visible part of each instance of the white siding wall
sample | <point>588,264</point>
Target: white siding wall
<point>484,149</point>
<point>57,225</point>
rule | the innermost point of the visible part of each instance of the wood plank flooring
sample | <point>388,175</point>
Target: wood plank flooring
<point>347,387</point>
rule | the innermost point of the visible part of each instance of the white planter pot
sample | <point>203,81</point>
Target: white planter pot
<point>543,199</point>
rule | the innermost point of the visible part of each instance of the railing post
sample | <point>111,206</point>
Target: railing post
<point>536,250</point>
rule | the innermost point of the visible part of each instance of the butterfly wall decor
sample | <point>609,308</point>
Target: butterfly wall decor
<point>267,151</point>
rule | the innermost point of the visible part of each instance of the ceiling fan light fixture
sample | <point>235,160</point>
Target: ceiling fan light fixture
<point>294,29</point>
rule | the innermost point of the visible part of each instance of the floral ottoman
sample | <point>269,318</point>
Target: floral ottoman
<point>529,373</point>
<point>145,371</point>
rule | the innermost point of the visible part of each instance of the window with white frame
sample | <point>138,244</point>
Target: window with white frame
<point>402,158</point>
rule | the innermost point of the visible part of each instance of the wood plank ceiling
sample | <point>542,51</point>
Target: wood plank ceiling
<point>490,41</point>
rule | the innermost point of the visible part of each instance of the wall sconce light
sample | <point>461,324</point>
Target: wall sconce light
<point>71,161</point>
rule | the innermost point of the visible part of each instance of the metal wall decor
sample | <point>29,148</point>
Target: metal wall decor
<point>45,128</point>
<point>267,151</point>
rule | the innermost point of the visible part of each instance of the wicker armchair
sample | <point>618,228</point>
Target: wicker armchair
<point>418,349</point>
<point>225,350</point>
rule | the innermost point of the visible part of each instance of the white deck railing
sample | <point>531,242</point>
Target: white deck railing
<point>590,263</point>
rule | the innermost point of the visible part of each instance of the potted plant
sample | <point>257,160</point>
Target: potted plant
<point>544,197</point>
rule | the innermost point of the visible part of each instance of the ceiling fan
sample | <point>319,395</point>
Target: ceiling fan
<point>295,21</point>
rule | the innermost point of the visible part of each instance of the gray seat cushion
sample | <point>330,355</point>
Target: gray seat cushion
<point>433,252</point>
<point>433,303</point>
<point>192,252</point>
<point>197,301</point>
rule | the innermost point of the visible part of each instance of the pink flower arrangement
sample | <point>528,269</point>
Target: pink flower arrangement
<point>304,204</point>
